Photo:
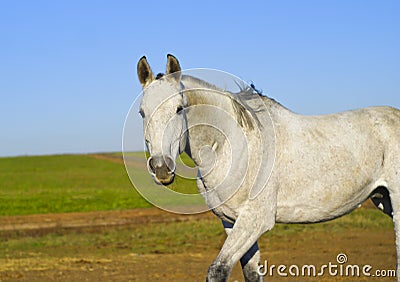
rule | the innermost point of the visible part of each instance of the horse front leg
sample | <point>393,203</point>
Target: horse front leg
<point>249,226</point>
<point>249,261</point>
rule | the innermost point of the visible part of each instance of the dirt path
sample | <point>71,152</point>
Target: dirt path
<point>362,247</point>
<point>50,222</point>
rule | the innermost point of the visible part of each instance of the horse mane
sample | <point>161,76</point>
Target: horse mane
<point>245,114</point>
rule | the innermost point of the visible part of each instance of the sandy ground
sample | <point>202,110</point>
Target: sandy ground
<point>362,247</point>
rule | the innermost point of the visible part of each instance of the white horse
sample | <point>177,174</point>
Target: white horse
<point>324,166</point>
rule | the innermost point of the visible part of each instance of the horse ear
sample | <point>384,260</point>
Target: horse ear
<point>144,72</point>
<point>173,67</point>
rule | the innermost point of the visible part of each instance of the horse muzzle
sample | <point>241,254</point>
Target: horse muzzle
<point>162,168</point>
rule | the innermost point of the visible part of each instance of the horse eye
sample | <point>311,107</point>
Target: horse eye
<point>179,109</point>
<point>141,113</point>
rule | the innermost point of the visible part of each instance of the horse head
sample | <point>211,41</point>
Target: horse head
<point>163,111</point>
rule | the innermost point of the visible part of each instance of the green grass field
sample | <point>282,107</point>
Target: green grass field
<point>64,183</point>
<point>71,183</point>
<point>79,183</point>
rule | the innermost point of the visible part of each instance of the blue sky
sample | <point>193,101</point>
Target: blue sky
<point>68,68</point>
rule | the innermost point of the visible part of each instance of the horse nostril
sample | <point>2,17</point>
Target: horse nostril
<point>151,165</point>
<point>170,164</point>
<point>159,164</point>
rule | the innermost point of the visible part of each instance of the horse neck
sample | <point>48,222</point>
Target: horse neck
<point>254,118</point>
<point>207,103</point>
